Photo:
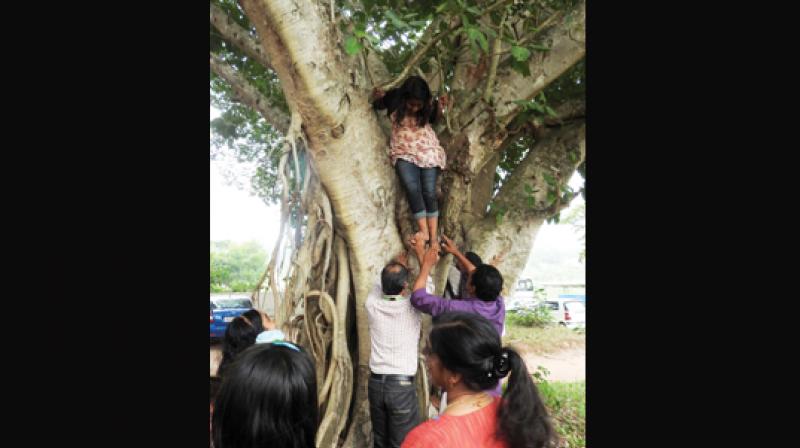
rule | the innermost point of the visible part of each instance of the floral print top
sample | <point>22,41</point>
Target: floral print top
<point>414,144</point>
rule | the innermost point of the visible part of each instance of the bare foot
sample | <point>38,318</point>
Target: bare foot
<point>421,237</point>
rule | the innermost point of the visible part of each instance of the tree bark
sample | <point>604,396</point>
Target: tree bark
<point>236,35</point>
<point>513,234</point>
<point>348,150</point>
<point>249,95</point>
<point>332,115</point>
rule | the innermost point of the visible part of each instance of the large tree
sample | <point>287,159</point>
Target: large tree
<point>294,78</point>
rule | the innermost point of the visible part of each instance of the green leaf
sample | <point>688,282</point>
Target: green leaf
<point>396,21</point>
<point>550,111</point>
<point>474,10</point>
<point>521,54</point>
<point>360,33</point>
<point>540,47</point>
<point>374,40</point>
<point>472,33</point>
<point>352,45</point>
<point>528,189</point>
<point>573,157</point>
<point>549,179</point>
<point>498,218</point>
<point>531,201</point>
<point>482,40</point>
<point>441,7</point>
<point>521,67</point>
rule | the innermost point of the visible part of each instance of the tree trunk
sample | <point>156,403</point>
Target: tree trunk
<point>347,147</point>
<point>328,95</point>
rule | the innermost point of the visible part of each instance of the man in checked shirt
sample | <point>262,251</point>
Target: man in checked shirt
<point>394,329</point>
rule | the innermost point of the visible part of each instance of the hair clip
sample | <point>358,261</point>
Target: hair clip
<point>286,344</point>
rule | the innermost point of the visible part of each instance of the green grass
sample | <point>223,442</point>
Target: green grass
<point>544,340</point>
<point>567,405</point>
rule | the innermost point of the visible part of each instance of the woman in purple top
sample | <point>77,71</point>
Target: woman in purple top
<point>483,288</point>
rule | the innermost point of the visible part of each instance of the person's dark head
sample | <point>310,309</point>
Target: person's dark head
<point>240,334</point>
<point>485,283</point>
<point>268,398</point>
<point>465,349</point>
<point>394,278</point>
<point>415,100</point>
<point>472,257</point>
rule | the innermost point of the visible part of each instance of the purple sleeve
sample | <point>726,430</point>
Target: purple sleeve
<point>429,303</point>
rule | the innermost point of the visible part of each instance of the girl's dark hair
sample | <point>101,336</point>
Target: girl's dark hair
<point>468,344</point>
<point>240,334</point>
<point>268,398</point>
<point>414,88</point>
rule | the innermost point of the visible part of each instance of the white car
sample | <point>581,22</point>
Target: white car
<point>569,313</point>
<point>523,296</point>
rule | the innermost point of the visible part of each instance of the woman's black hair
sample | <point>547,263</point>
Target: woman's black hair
<point>268,398</point>
<point>240,334</point>
<point>468,344</point>
<point>414,88</point>
<point>215,383</point>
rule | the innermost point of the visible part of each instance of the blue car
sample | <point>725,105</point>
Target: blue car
<point>223,310</point>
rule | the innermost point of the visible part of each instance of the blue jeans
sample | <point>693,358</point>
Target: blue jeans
<point>393,410</point>
<point>420,185</point>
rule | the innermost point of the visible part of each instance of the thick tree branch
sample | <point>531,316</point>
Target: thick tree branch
<point>565,112</point>
<point>237,35</point>
<point>512,234</point>
<point>498,41</point>
<point>249,95</point>
<point>567,47</point>
<point>555,157</point>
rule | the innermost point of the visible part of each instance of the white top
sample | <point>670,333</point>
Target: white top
<point>394,328</point>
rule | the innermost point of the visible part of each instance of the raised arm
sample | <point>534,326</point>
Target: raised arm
<point>449,246</point>
<point>429,260</point>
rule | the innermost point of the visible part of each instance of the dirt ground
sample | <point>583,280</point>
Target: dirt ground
<point>566,365</point>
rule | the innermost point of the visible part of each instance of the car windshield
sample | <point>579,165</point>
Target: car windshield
<point>552,305</point>
<point>525,285</point>
<point>575,306</point>
<point>232,303</point>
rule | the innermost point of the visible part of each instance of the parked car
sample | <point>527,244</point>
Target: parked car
<point>523,296</point>
<point>223,310</point>
<point>570,313</point>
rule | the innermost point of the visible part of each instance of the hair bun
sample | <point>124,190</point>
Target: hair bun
<point>501,364</point>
